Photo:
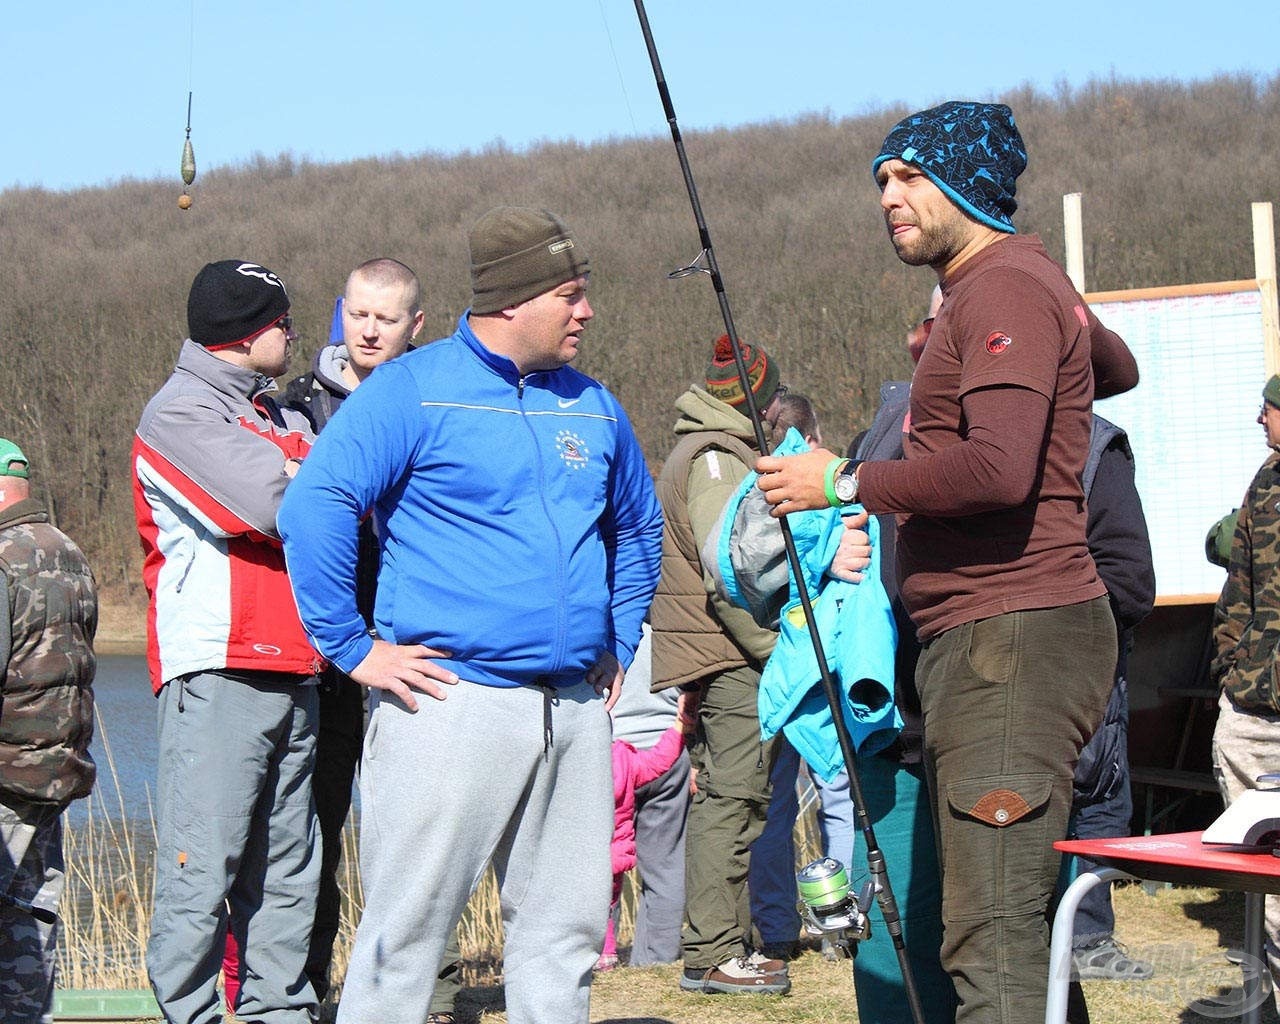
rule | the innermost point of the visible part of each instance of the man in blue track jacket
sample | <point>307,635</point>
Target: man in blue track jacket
<point>520,542</point>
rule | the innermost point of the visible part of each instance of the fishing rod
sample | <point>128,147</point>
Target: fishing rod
<point>705,263</point>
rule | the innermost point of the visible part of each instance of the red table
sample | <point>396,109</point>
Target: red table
<point>1180,858</point>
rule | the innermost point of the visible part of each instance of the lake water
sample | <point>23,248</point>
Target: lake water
<point>124,742</point>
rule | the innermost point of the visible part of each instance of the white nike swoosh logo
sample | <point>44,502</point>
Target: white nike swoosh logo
<point>565,403</point>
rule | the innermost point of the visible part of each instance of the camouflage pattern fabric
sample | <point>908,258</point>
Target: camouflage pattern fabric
<point>31,873</point>
<point>1247,618</point>
<point>47,667</point>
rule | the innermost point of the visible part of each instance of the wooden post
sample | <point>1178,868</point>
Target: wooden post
<point>1073,228</point>
<point>1264,269</point>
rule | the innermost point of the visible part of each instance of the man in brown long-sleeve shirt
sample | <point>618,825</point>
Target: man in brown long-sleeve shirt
<point>1019,643</point>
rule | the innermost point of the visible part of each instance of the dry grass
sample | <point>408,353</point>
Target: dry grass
<point>1183,931</point>
<point>94,282</point>
<point>105,913</point>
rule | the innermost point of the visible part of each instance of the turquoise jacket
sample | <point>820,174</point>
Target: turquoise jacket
<point>854,620</point>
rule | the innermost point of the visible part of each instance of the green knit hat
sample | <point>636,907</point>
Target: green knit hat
<point>722,374</point>
<point>518,252</point>
<point>10,454</point>
<point>1271,391</point>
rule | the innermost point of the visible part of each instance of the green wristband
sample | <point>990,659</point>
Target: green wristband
<point>829,481</point>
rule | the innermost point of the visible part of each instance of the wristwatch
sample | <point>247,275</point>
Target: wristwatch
<point>845,483</point>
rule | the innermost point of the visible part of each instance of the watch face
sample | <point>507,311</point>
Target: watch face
<point>845,488</point>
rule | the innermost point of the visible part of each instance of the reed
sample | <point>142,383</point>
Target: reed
<point>105,914</point>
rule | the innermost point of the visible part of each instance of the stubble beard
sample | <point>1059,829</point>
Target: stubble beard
<point>934,246</point>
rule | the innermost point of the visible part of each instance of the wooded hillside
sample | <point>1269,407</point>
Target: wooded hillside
<point>93,283</point>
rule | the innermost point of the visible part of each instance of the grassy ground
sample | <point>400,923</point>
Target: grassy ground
<point>1183,931</point>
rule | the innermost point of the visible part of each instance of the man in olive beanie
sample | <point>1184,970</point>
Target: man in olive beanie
<point>517,253</point>
<point>520,548</point>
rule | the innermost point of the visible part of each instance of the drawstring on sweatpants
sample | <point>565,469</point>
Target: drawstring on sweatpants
<point>549,699</point>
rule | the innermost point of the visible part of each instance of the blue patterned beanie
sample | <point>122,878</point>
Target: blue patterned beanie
<point>972,151</point>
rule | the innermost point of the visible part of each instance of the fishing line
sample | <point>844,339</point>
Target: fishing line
<point>706,263</point>
<point>188,153</point>
<point>618,67</point>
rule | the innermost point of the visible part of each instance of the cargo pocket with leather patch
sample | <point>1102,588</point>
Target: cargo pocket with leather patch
<point>994,841</point>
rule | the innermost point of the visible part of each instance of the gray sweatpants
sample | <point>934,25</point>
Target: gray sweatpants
<point>517,776</point>
<point>235,824</point>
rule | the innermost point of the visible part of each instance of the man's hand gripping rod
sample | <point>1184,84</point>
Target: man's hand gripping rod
<point>875,857</point>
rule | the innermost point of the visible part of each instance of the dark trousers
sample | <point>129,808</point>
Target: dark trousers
<point>338,743</point>
<point>1008,704</point>
<point>1104,814</point>
<point>338,746</point>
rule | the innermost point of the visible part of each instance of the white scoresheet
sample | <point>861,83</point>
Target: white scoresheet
<point>1191,420</point>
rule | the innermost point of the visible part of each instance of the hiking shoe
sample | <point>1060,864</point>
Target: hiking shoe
<point>1108,961</point>
<point>735,975</point>
<point>768,964</point>
<point>439,1018</point>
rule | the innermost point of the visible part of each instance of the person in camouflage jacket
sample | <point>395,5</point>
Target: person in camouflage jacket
<point>1246,740</point>
<point>48,615</point>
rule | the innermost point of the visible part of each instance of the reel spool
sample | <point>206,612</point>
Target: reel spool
<point>829,906</point>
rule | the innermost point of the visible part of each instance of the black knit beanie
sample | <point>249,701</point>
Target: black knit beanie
<point>231,301</point>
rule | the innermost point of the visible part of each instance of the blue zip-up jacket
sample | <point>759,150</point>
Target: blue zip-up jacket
<point>518,524</point>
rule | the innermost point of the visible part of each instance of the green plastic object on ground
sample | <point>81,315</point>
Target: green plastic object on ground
<point>105,1004</point>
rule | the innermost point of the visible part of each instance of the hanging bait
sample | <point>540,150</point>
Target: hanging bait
<point>188,163</point>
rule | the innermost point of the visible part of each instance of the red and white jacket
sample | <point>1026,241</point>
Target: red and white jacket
<point>208,475</point>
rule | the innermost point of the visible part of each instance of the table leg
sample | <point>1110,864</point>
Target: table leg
<point>1255,960</point>
<point>1060,947</point>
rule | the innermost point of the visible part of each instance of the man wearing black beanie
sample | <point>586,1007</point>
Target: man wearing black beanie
<point>229,661</point>
<point>1019,641</point>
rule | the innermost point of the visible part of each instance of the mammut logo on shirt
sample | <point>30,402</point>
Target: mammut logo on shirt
<point>573,450</point>
<point>997,342</point>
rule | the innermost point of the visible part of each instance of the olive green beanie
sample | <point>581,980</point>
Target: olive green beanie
<point>518,252</point>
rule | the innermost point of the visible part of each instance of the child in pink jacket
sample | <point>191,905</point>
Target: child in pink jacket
<point>633,768</point>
